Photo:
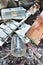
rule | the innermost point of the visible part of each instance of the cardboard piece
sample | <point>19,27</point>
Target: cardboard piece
<point>35,33</point>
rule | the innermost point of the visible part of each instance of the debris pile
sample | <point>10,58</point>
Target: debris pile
<point>18,39</point>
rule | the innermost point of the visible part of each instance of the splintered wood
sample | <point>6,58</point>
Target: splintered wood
<point>35,33</point>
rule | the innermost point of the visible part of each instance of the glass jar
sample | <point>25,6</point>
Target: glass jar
<point>18,48</point>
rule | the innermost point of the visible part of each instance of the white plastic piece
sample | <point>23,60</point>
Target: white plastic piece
<point>22,31</point>
<point>41,14</point>
<point>1,43</point>
<point>13,13</point>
